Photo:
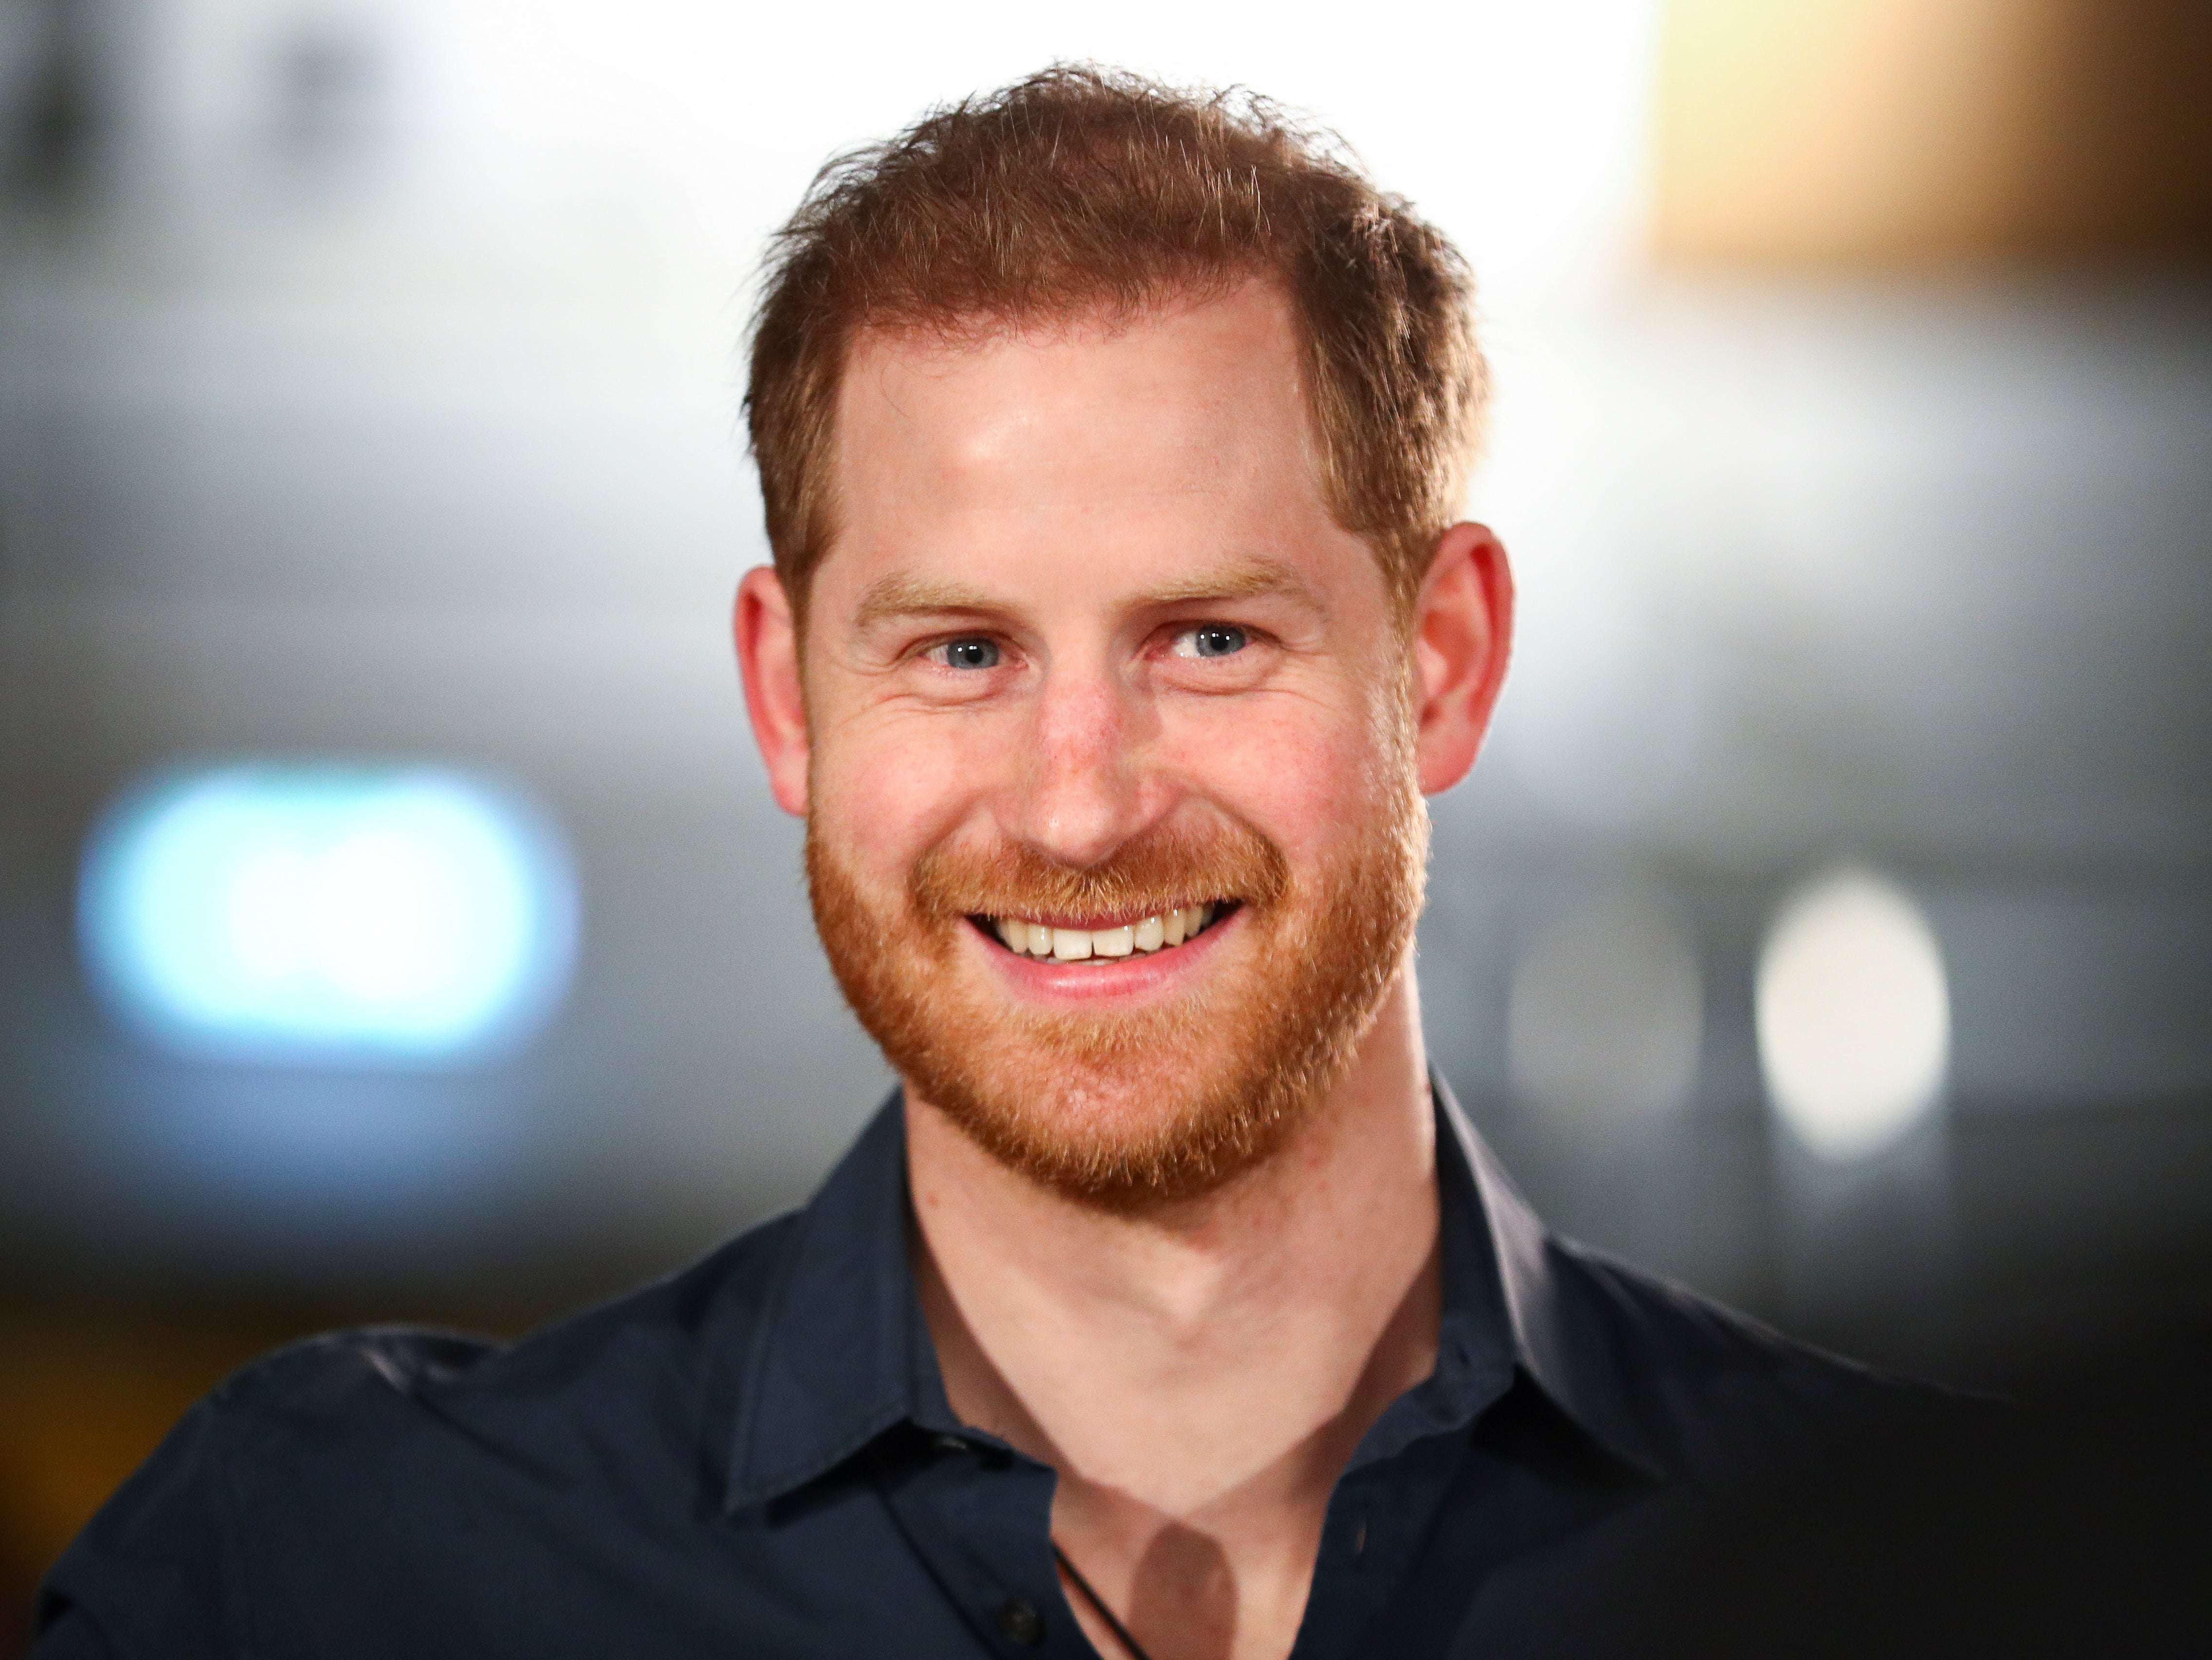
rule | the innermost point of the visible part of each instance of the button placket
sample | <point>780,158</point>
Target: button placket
<point>978,1515</point>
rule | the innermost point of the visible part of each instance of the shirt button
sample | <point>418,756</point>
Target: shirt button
<point>1019,1619</point>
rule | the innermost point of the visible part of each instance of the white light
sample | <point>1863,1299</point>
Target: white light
<point>1853,1014</point>
<point>1606,1014</point>
<point>322,912</point>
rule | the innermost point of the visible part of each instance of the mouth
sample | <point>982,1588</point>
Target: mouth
<point>1144,937</point>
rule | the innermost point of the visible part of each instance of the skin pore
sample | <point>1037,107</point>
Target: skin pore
<point>1087,637</point>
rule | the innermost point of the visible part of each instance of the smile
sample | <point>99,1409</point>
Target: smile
<point>1164,932</point>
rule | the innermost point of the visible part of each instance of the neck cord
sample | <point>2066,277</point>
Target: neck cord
<point>1098,1603</point>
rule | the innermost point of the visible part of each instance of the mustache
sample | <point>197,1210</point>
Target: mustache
<point>1148,874</point>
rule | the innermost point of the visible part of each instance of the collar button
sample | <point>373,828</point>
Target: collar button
<point>1021,1622</point>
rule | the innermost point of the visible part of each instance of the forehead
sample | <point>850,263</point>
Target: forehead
<point>1183,431</point>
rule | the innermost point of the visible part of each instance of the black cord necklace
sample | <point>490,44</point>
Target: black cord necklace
<point>1121,1632</point>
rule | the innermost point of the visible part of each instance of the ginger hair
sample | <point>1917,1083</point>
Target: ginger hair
<point>1084,191</point>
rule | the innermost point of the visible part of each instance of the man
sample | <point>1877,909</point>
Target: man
<point>1111,441</point>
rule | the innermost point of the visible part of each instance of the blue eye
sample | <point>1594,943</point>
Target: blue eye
<point>971,655</point>
<point>1215,640</point>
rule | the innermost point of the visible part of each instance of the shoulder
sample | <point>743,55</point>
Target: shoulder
<point>392,1439</point>
<point>1709,1394</point>
<point>540,1399</point>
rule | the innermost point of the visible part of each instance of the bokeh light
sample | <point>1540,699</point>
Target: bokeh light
<point>1606,1014</point>
<point>306,912</point>
<point>1854,1014</point>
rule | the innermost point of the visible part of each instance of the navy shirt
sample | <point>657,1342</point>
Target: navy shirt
<point>755,1457</point>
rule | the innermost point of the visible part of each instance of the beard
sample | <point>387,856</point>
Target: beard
<point>1132,1108</point>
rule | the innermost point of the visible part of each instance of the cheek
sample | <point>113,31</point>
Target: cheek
<point>885,794</point>
<point>1303,773</point>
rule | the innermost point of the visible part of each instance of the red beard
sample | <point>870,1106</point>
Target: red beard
<point>1135,1108</point>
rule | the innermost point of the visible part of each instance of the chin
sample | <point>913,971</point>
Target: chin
<point>1173,1121</point>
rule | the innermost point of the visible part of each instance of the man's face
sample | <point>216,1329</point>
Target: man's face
<point>1089,668</point>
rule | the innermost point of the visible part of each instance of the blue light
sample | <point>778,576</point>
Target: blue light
<point>322,912</point>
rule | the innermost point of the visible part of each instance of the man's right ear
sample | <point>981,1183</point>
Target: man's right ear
<point>768,655</point>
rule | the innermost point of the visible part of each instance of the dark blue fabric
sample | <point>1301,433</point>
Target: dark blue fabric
<point>755,1457</point>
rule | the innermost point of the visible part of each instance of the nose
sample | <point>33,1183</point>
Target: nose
<point>1081,794</point>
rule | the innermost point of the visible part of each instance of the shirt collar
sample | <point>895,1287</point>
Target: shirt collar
<point>1565,1355</point>
<point>841,1354</point>
<point>838,1356</point>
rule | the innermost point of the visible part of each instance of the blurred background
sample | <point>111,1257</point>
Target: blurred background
<point>394,923</point>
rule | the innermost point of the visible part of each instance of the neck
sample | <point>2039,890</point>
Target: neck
<point>1198,1377</point>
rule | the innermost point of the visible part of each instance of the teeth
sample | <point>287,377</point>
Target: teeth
<point>1078,945</point>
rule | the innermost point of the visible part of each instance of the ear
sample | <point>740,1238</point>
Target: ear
<point>1462,633</point>
<point>768,653</point>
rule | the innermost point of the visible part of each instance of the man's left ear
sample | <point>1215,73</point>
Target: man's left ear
<point>1461,635</point>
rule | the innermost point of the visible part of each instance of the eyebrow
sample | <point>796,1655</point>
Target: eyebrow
<point>902,595</point>
<point>1254,577</point>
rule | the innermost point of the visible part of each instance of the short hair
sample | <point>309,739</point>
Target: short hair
<point>1082,190</point>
